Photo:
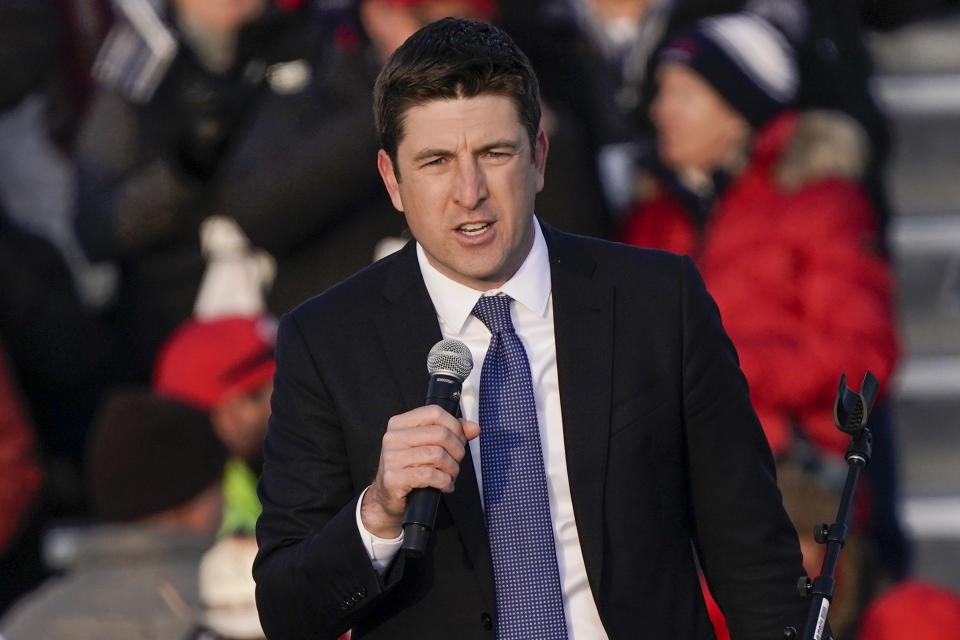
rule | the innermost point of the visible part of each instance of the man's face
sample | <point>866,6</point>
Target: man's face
<point>240,421</point>
<point>696,128</point>
<point>467,182</point>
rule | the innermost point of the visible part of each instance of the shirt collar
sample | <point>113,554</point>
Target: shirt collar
<point>529,286</point>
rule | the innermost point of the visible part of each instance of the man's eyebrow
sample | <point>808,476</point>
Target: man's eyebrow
<point>512,145</point>
<point>432,153</point>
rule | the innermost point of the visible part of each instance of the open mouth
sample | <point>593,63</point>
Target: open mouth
<point>473,228</point>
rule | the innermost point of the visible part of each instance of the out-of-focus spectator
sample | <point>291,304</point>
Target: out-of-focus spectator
<point>154,483</point>
<point>21,479</point>
<point>224,367</point>
<point>36,177</point>
<point>627,33</point>
<point>301,184</point>
<point>60,353</point>
<point>836,69</point>
<point>767,202</point>
<point>220,108</point>
<point>834,64</point>
<point>57,349</point>
<point>56,345</point>
<point>768,205</point>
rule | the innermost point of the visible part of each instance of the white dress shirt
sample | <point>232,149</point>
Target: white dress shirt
<point>532,317</point>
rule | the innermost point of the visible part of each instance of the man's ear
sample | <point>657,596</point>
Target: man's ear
<point>540,150</point>
<point>389,177</point>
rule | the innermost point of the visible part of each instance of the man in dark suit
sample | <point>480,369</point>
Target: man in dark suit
<point>653,460</point>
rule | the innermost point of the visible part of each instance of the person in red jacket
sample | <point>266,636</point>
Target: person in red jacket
<point>776,221</point>
<point>768,203</point>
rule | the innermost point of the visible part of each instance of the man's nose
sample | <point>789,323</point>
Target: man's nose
<point>471,186</point>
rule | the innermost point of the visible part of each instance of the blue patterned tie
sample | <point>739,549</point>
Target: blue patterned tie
<point>517,508</point>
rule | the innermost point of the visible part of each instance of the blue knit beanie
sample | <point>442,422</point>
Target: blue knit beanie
<point>744,58</point>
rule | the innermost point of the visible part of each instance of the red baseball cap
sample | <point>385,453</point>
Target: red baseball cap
<point>204,362</point>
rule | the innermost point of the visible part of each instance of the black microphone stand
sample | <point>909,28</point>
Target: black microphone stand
<point>851,411</point>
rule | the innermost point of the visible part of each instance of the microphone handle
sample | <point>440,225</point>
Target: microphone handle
<point>421,513</point>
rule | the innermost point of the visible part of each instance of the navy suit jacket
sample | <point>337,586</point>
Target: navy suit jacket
<point>666,460</point>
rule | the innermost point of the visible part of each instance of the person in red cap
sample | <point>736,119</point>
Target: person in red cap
<point>225,366</point>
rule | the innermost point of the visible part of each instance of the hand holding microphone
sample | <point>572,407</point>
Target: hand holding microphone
<point>449,363</point>
<point>421,454</point>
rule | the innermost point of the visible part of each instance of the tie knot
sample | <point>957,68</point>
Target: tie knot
<point>494,311</point>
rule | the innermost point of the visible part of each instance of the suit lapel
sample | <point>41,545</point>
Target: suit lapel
<point>408,327</point>
<point>407,324</point>
<point>583,324</point>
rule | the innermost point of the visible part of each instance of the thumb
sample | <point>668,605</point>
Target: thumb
<point>470,429</point>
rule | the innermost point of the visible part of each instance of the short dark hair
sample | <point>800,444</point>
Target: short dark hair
<point>453,58</point>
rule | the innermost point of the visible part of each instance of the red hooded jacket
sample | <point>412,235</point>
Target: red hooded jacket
<point>802,290</point>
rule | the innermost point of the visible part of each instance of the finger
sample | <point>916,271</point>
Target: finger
<point>427,415</point>
<point>429,456</point>
<point>428,435</point>
<point>470,429</point>
<point>436,457</point>
<point>404,480</point>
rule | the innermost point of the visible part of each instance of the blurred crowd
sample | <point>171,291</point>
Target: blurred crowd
<point>176,174</point>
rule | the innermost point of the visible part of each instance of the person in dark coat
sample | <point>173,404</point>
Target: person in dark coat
<point>250,120</point>
<point>154,486</point>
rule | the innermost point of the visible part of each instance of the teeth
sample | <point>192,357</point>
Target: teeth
<point>473,228</point>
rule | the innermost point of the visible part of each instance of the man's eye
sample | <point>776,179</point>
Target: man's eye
<point>436,162</point>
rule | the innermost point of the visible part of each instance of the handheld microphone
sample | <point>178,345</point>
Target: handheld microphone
<point>449,363</point>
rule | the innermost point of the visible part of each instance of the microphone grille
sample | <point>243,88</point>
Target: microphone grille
<point>452,357</point>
